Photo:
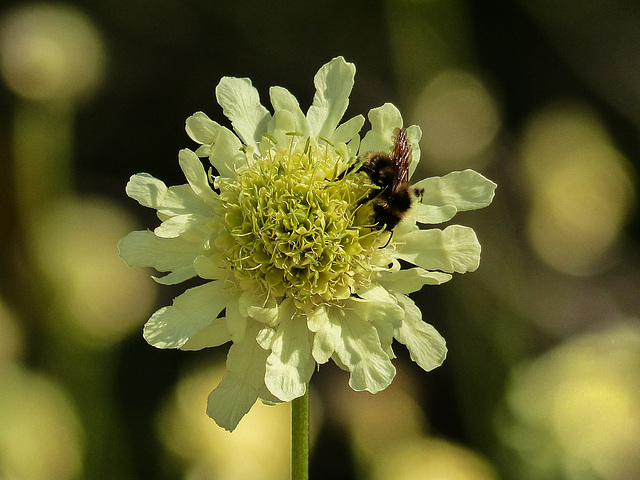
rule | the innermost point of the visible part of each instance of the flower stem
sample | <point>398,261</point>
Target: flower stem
<point>300,437</point>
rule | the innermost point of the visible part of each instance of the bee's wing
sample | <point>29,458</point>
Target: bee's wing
<point>401,156</point>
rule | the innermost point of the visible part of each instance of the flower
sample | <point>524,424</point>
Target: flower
<point>282,231</point>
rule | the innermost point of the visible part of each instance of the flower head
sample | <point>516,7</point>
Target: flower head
<point>282,229</point>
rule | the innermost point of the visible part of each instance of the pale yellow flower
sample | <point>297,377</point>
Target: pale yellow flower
<point>296,270</point>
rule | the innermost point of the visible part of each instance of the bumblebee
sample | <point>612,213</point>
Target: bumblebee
<point>390,172</point>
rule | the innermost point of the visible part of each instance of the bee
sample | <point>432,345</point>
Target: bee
<point>390,172</point>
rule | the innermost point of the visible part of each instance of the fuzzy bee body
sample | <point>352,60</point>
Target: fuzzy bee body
<point>390,172</point>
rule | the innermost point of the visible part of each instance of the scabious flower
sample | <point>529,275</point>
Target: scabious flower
<point>283,234</point>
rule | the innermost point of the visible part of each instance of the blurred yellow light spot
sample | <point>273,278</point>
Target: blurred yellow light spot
<point>50,52</point>
<point>387,431</point>
<point>75,244</point>
<point>258,449</point>
<point>459,120</point>
<point>581,191</point>
<point>578,407</point>
<point>427,459</point>
<point>40,437</point>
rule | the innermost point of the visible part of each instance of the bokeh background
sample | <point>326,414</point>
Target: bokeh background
<point>543,375</point>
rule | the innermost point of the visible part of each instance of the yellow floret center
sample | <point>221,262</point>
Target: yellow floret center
<point>294,220</point>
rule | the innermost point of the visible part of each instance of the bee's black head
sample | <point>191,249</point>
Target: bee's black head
<point>380,169</point>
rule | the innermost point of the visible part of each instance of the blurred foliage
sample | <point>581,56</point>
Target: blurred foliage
<point>544,358</point>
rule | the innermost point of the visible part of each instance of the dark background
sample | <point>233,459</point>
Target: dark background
<point>530,313</point>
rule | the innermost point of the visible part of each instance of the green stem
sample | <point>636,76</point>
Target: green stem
<point>300,438</point>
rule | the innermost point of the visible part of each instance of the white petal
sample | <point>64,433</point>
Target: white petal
<point>205,150</point>
<point>465,190</point>
<point>231,400</point>
<point>253,303</point>
<point>317,318</point>
<point>290,365</point>
<point>282,99</point>
<point>196,176</point>
<point>385,334</point>
<point>210,268</point>
<point>147,190</point>
<point>426,346</point>
<point>432,214</point>
<point>454,249</point>
<point>241,385</point>
<point>153,193</point>
<point>179,275</point>
<point>349,130</point>
<point>327,334</point>
<point>359,350</point>
<point>171,327</point>
<point>213,335</point>
<point>265,337</point>
<point>201,128</point>
<point>280,126</point>
<point>240,103</point>
<point>383,120</point>
<point>411,279</point>
<point>176,226</point>
<point>376,304</point>
<point>333,82</point>
<point>220,144</point>
<point>237,324</point>
<point>225,154</point>
<point>144,249</point>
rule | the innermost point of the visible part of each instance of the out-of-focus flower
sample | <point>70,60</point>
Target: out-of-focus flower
<point>287,230</point>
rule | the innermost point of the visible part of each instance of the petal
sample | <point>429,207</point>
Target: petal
<point>205,150</point>
<point>383,120</point>
<point>376,304</point>
<point>411,279</point>
<point>454,249</point>
<point>225,154</point>
<point>153,193</point>
<point>359,350</point>
<point>465,190</point>
<point>144,249</point>
<point>253,303</point>
<point>210,268</point>
<point>327,334</point>
<point>237,324</point>
<point>201,128</point>
<point>196,176</point>
<point>213,335</point>
<point>280,129</point>
<point>176,226</point>
<point>220,144</point>
<point>349,133</point>
<point>171,327</point>
<point>241,385</point>
<point>282,99</point>
<point>426,346</point>
<point>432,214</point>
<point>333,82</point>
<point>240,103</point>
<point>348,130</point>
<point>385,332</point>
<point>290,365</point>
<point>147,190</point>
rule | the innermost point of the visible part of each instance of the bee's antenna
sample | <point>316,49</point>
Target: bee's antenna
<point>388,240</point>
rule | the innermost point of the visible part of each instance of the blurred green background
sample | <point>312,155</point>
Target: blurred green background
<point>543,375</point>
